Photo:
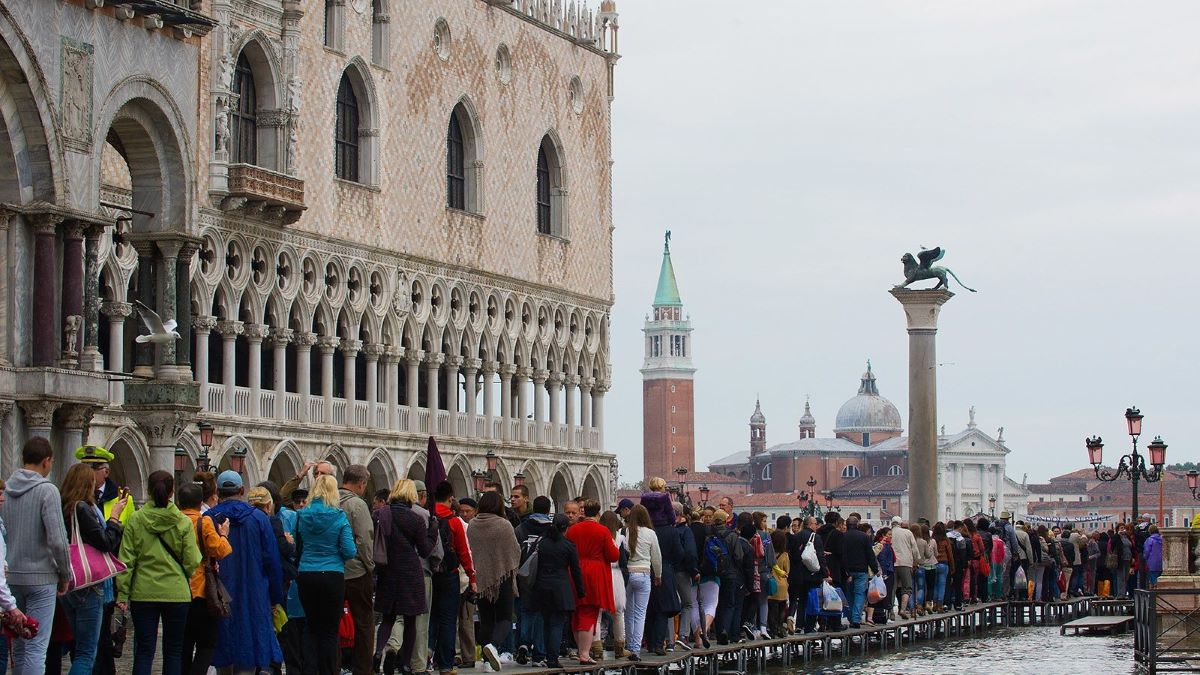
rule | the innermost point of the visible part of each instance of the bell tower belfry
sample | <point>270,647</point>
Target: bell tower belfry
<point>668,433</point>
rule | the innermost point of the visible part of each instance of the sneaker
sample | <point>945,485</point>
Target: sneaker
<point>749,632</point>
<point>704,641</point>
<point>522,655</point>
<point>492,657</point>
<point>683,645</point>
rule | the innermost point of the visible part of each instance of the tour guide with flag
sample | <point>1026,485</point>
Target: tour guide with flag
<point>107,490</point>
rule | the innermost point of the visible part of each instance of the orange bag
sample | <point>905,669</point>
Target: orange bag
<point>1030,596</point>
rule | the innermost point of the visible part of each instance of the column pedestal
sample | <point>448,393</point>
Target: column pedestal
<point>163,410</point>
<point>921,309</point>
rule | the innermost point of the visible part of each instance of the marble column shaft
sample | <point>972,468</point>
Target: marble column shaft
<point>90,355</point>
<point>45,342</point>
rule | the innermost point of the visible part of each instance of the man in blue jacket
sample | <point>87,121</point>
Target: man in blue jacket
<point>246,640</point>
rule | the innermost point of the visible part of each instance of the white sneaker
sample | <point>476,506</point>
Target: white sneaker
<point>491,656</point>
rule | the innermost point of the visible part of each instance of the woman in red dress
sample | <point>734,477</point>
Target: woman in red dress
<point>597,552</point>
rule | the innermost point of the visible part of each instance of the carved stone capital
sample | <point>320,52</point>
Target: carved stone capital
<point>602,386</point>
<point>351,347</point>
<point>572,380</point>
<point>118,310</point>
<point>414,357</point>
<point>305,340</point>
<point>489,367</point>
<point>540,375</point>
<point>374,351</point>
<point>39,414</point>
<point>523,373</point>
<point>230,329</point>
<point>73,229</point>
<point>163,427</point>
<point>587,383</point>
<point>6,407</point>
<point>434,361</point>
<point>256,332</point>
<point>73,416</point>
<point>45,223</point>
<point>454,361</point>
<point>472,365</point>
<point>281,337</point>
<point>507,370</point>
<point>328,343</point>
<point>555,379</point>
<point>394,354</point>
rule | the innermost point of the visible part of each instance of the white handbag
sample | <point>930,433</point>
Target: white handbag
<point>809,556</point>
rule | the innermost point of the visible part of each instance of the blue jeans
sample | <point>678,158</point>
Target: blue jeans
<point>637,596</point>
<point>918,596</point>
<point>1076,584</point>
<point>443,620</point>
<point>85,611</point>
<point>531,629</point>
<point>939,586</point>
<point>29,656</point>
<point>146,616</point>
<point>856,595</point>
<point>551,625</point>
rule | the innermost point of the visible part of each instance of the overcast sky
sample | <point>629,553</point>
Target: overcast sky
<point>796,150</point>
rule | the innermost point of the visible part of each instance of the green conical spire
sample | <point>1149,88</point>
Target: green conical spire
<point>667,294</point>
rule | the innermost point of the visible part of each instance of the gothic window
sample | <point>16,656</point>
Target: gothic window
<point>895,470</point>
<point>850,471</point>
<point>456,174</point>
<point>550,198</point>
<point>346,132</point>
<point>543,191</point>
<point>244,118</point>
<point>766,472</point>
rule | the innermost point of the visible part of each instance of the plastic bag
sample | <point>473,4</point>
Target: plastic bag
<point>809,556</point>
<point>830,600</point>
<point>876,590</point>
<point>1019,578</point>
<point>812,605</point>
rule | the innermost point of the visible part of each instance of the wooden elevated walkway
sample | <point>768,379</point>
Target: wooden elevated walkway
<point>1092,624</point>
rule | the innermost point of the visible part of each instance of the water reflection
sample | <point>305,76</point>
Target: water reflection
<point>998,651</point>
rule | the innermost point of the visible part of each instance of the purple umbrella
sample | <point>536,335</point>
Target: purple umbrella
<point>435,471</point>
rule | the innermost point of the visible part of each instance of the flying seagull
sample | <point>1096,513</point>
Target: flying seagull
<point>159,332</point>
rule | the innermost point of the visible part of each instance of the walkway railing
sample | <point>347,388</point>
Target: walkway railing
<point>1166,637</point>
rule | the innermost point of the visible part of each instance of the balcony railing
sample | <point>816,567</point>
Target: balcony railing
<point>260,187</point>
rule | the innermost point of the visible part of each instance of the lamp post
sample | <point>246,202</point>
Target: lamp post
<point>682,472</point>
<point>809,501</point>
<point>518,478</point>
<point>206,441</point>
<point>181,461</point>
<point>992,506</point>
<point>1133,465</point>
<point>237,461</point>
<point>829,500</point>
<point>704,494</point>
<point>480,479</point>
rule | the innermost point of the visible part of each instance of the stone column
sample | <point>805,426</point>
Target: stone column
<point>412,360</point>
<point>72,291</point>
<point>433,363</point>
<point>921,309</point>
<point>255,334</point>
<point>453,363</point>
<point>598,410</point>
<point>6,219</point>
<point>117,312</point>
<point>143,352</point>
<point>470,373</point>
<point>391,365</point>
<point>229,331</point>
<point>572,382</point>
<point>74,420</point>
<point>183,310</point>
<point>304,344</point>
<point>39,417</point>
<point>280,337</point>
<point>489,376</point>
<point>90,358</point>
<point>372,352</point>
<point>507,370</point>
<point>8,452</point>
<point>554,394</point>
<point>45,341</point>
<point>520,378</point>
<point>169,250</point>
<point>327,344</point>
<point>585,409</point>
<point>350,348</point>
<point>540,375</point>
<point>162,429</point>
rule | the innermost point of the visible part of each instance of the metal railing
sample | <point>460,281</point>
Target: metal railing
<point>1166,632</point>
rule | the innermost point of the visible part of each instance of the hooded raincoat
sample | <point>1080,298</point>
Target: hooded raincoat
<point>253,578</point>
<point>160,549</point>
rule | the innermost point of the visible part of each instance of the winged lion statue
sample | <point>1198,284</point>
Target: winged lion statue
<point>922,267</point>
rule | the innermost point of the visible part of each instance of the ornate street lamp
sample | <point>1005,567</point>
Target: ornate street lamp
<point>992,505</point>
<point>181,462</point>
<point>206,441</point>
<point>703,494</point>
<point>493,461</point>
<point>237,461</point>
<point>829,499</point>
<point>518,478</point>
<point>480,478</point>
<point>682,472</point>
<point>1133,465</point>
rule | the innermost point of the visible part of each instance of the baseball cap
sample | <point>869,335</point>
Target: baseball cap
<point>896,520</point>
<point>229,480</point>
<point>625,504</point>
<point>419,485</point>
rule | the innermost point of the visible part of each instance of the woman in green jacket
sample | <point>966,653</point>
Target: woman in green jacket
<point>160,549</point>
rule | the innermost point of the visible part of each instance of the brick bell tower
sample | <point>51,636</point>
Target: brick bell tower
<point>668,433</point>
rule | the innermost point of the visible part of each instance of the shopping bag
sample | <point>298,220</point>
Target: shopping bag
<point>831,601</point>
<point>89,565</point>
<point>809,556</point>
<point>1019,578</point>
<point>1029,586</point>
<point>346,628</point>
<point>876,590</point>
<point>812,606</point>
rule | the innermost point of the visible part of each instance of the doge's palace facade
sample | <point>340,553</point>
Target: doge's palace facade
<point>373,222</point>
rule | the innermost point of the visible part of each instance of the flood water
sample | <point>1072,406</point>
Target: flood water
<point>998,651</point>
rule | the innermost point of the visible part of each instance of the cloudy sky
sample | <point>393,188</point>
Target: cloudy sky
<point>796,150</point>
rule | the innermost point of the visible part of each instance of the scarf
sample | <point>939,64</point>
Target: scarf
<point>496,553</point>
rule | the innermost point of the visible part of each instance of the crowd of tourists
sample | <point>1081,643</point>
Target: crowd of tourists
<point>313,577</point>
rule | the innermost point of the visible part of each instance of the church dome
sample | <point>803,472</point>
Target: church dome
<point>807,419</point>
<point>758,417</point>
<point>868,411</point>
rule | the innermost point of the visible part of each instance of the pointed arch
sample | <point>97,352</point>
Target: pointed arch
<point>464,158</point>
<point>551,170</point>
<point>323,322</point>
<point>535,480</point>
<point>562,487</point>
<point>595,487</point>
<point>257,83</point>
<point>337,455</point>
<point>459,475</point>
<point>131,459</point>
<point>382,469</point>
<point>356,137</point>
<point>284,461</point>
<point>416,466</point>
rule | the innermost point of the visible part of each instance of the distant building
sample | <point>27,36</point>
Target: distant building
<point>1080,495</point>
<point>865,464</point>
<point>668,431</point>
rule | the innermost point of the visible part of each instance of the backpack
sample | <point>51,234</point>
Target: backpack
<point>1069,552</point>
<point>737,554</point>
<point>527,572</point>
<point>961,551</point>
<point>449,559</point>
<point>715,560</point>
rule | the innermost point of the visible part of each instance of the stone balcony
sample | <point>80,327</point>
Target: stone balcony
<point>264,191</point>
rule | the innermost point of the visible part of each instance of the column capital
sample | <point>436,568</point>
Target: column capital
<point>374,351</point>
<point>434,361</point>
<point>118,310</point>
<point>507,370</point>
<point>602,386</point>
<point>256,332</point>
<point>490,367</point>
<point>230,329</point>
<point>523,372</point>
<point>555,378</point>
<point>454,361</point>
<point>587,383</point>
<point>163,427</point>
<point>392,353</point>
<point>351,347</point>
<point>45,223</point>
<point>472,365</point>
<point>328,343</point>
<point>540,375</point>
<point>281,337</point>
<point>6,408</point>
<point>304,339</point>
<point>39,414</point>
<point>921,308</point>
<point>572,380</point>
<point>74,229</point>
<point>414,357</point>
<point>74,416</point>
